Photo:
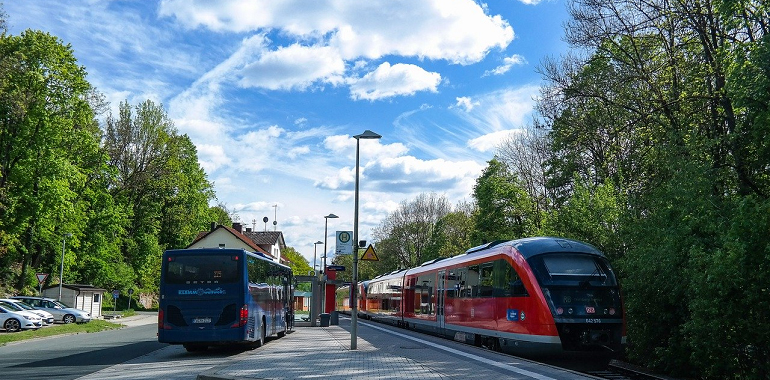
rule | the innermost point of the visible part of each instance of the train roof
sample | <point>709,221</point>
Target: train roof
<point>534,246</point>
<point>528,247</point>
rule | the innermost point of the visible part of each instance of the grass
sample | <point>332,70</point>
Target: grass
<point>95,325</point>
<point>122,313</point>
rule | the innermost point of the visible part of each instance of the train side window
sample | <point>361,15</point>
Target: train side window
<point>471,287</point>
<point>450,284</point>
<point>424,295</point>
<point>461,275</point>
<point>507,282</point>
<point>486,286</point>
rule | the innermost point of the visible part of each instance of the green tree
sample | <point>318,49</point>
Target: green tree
<point>505,210</point>
<point>662,116</point>
<point>185,211</point>
<point>452,233</point>
<point>405,233</point>
<point>158,182</point>
<point>592,214</point>
<point>221,215</point>
<point>48,151</point>
<point>297,262</point>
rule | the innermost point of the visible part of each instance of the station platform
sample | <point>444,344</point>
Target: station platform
<point>382,353</point>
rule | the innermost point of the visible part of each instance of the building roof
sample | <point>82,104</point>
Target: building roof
<point>78,287</point>
<point>267,238</point>
<point>245,239</point>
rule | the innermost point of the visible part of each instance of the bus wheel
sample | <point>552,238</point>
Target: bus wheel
<point>261,341</point>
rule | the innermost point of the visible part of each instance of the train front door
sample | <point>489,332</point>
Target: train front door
<point>440,291</point>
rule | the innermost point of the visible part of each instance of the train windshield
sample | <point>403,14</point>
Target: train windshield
<point>576,267</point>
<point>203,269</point>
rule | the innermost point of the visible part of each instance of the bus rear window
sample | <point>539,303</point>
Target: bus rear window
<point>201,269</point>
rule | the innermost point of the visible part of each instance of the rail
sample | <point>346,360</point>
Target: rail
<point>617,370</point>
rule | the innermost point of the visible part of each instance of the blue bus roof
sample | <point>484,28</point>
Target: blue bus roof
<point>221,251</point>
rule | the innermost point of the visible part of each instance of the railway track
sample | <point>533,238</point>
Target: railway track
<point>617,370</point>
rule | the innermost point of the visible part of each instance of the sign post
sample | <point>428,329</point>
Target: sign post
<point>344,243</point>
<point>130,292</point>
<point>40,280</point>
<point>115,294</point>
<point>370,254</point>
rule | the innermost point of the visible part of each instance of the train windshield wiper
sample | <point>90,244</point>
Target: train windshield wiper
<point>598,272</point>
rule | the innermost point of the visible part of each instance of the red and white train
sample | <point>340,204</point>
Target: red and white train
<point>528,297</point>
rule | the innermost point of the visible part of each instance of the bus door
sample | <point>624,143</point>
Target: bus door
<point>440,300</point>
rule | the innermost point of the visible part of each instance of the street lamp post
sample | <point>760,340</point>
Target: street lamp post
<point>61,268</point>
<point>315,302</point>
<point>369,135</point>
<point>315,248</point>
<point>326,225</point>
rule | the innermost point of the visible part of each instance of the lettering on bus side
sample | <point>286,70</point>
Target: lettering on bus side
<point>201,292</point>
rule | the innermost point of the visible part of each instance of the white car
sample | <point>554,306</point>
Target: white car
<point>13,321</point>
<point>46,317</point>
<point>60,311</point>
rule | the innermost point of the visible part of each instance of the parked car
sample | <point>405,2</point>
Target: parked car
<point>44,315</point>
<point>12,320</point>
<point>60,311</point>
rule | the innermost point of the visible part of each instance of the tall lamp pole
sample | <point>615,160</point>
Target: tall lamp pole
<point>316,303</point>
<point>368,135</point>
<point>61,268</point>
<point>315,248</point>
<point>326,225</point>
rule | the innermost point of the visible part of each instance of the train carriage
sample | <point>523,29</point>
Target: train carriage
<point>527,297</point>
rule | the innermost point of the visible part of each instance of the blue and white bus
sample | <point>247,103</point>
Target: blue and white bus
<point>215,296</point>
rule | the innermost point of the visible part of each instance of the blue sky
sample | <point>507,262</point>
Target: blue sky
<point>271,92</point>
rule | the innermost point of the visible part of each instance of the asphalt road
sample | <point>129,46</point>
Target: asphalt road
<point>132,352</point>
<point>72,356</point>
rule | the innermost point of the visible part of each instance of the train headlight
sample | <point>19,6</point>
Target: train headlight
<point>559,311</point>
<point>570,311</point>
<point>612,311</point>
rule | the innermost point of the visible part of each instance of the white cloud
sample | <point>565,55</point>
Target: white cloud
<point>345,145</point>
<point>298,151</point>
<point>335,34</point>
<point>211,157</point>
<point>459,31</point>
<point>388,81</point>
<point>390,170</point>
<point>501,110</point>
<point>489,142</point>
<point>508,63</point>
<point>466,103</point>
<point>530,2</point>
<point>293,67</point>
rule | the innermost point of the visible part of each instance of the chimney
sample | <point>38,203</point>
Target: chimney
<point>213,226</point>
<point>238,227</point>
<point>248,229</point>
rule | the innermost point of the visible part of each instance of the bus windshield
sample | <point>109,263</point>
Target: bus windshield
<point>203,269</point>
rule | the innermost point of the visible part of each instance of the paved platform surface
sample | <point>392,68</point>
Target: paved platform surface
<point>382,353</point>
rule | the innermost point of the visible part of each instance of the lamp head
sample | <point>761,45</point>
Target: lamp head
<point>331,216</point>
<point>367,135</point>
